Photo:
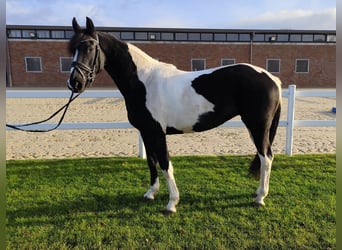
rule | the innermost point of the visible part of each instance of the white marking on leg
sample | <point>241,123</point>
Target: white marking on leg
<point>265,172</point>
<point>173,191</point>
<point>154,189</point>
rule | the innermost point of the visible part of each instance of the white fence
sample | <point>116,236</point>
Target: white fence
<point>289,123</point>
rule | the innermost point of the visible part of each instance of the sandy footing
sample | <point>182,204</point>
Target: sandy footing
<point>124,142</point>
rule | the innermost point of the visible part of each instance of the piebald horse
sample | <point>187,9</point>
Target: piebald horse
<point>161,99</point>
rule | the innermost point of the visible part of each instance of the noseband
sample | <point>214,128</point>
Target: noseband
<point>88,73</point>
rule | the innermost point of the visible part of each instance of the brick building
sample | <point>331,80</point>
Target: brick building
<point>38,56</point>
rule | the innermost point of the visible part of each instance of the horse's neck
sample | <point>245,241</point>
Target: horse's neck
<point>147,66</point>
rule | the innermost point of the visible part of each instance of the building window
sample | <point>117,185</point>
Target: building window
<point>115,34</point>
<point>59,34</point>
<point>33,64</point>
<point>197,64</point>
<point>295,37</point>
<point>127,35</point>
<point>244,37</point>
<point>270,37</point>
<point>331,38</point>
<point>273,65</point>
<point>181,36</point>
<point>232,37</point>
<point>153,35</point>
<point>65,63</point>
<point>283,38</point>
<point>206,36</point>
<point>43,34</point>
<point>220,37</point>
<point>14,34</point>
<point>194,36</point>
<point>140,35</point>
<point>302,65</point>
<point>29,34</point>
<point>307,38</point>
<point>319,38</point>
<point>69,34</point>
<point>259,37</point>
<point>227,62</point>
<point>167,36</point>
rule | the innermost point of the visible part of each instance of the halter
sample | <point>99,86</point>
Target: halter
<point>81,68</point>
<point>90,71</point>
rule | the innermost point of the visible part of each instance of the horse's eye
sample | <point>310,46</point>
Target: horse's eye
<point>90,48</point>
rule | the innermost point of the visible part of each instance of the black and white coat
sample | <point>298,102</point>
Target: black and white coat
<point>161,99</point>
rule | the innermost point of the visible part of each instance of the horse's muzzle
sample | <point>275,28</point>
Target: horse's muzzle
<point>75,86</point>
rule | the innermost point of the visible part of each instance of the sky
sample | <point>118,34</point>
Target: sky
<point>220,14</point>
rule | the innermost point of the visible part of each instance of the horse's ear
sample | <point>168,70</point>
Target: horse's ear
<point>90,26</point>
<point>76,26</point>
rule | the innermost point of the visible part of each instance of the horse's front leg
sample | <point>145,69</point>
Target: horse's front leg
<point>167,168</point>
<point>171,184</point>
<point>156,150</point>
<point>154,188</point>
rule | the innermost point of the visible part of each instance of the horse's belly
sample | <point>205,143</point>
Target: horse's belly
<point>205,121</point>
<point>183,117</point>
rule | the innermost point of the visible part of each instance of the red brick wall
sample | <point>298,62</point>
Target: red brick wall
<point>322,57</point>
<point>322,63</point>
<point>50,52</point>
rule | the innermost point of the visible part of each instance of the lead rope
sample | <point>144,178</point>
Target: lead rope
<point>65,107</point>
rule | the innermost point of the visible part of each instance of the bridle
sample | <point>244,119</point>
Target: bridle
<point>81,68</point>
<point>88,73</point>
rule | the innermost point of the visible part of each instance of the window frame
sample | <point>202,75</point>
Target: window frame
<point>27,64</point>
<point>230,59</point>
<point>268,60</point>
<point>198,59</point>
<point>61,64</point>
<point>308,66</point>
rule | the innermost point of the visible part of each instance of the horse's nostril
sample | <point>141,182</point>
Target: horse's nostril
<point>75,86</point>
<point>78,85</point>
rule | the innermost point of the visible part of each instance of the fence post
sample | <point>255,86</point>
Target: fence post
<point>290,119</point>
<point>142,151</point>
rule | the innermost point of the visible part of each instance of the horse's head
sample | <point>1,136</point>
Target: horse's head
<point>87,53</point>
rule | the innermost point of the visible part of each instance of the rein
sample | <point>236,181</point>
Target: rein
<point>65,108</point>
<point>82,69</point>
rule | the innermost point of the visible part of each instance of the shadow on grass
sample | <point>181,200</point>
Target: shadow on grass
<point>220,183</point>
<point>121,206</point>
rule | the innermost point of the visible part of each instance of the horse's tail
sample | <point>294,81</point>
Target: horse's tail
<point>275,123</point>
<point>254,168</point>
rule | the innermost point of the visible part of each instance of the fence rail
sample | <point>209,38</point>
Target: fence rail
<point>291,93</point>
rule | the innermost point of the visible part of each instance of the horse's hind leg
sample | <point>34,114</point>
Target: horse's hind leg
<point>260,135</point>
<point>265,172</point>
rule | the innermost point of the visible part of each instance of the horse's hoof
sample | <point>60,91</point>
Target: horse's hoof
<point>258,204</point>
<point>168,212</point>
<point>147,199</point>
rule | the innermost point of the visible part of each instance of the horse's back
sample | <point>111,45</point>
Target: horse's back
<point>240,89</point>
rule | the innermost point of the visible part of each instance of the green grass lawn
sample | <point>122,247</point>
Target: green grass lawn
<point>97,203</point>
